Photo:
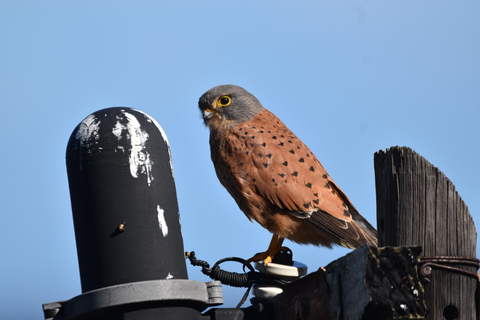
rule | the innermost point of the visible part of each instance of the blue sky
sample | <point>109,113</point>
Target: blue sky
<point>348,77</point>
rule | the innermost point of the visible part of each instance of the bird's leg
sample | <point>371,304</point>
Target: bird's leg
<point>267,256</point>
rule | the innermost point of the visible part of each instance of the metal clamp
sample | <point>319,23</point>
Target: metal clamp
<point>445,263</point>
<point>190,293</point>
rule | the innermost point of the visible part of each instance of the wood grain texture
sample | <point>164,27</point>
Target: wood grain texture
<point>417,205</point>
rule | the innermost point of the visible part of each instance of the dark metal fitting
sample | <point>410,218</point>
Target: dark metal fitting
<point>446,263</point>
<point>189,293</point>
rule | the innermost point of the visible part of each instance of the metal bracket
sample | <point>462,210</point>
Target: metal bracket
<point>188,293</point>
<point>445,263</point>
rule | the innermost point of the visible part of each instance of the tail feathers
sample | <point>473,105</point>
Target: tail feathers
<point>367,233</point>
<point>351,234</point>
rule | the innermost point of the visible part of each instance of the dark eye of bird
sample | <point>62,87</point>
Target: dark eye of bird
<point>224,101</point>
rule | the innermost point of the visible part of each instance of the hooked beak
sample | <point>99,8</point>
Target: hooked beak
<point>208,114</point>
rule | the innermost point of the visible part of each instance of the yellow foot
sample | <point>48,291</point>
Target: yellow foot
<point>266,256</point>
<point>260,256</point>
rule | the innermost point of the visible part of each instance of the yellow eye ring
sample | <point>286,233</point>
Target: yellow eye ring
<point>224,101</point>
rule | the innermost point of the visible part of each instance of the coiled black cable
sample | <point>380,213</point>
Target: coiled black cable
<point>234,279</point>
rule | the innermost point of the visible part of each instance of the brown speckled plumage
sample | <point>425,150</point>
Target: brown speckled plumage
<point>274,177</point>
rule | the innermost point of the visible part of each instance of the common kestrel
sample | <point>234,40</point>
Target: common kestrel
<point>274,177</point>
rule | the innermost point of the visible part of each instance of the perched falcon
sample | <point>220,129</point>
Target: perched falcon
<point>274,177</point>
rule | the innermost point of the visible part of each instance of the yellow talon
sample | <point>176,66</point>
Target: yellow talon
<point>267,256</point>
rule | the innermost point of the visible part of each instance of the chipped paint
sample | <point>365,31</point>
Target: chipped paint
<point>164,136</point>
<point>87,136</point>
<point>169,276</point>
<point>161,221</point>
<point>139,158</point>
<point>87,133</point>
<point>180,224</point>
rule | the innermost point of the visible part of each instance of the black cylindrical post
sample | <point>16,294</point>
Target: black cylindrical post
<point>124,202</point>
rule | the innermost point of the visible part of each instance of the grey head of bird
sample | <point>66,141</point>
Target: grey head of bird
<point>228,105</point>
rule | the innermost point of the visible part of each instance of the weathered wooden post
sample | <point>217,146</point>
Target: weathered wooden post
<point>367,284</point>
<point>418,206</point>
<point>127,228</point>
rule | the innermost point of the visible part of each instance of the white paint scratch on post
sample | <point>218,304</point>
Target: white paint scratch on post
<point>164,136</point>
<point>169,276</point>
<point>87,133</point>
<point>161,221</point>
<point>139,158</point>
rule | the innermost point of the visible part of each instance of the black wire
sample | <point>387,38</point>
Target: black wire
<point>234,279</point>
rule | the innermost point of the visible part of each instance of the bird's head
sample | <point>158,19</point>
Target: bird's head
<point>228,105</point>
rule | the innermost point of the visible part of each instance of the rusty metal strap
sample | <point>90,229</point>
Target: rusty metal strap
<point>448,263</point>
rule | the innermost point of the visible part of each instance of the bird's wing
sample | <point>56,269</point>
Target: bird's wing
<point>287,174</point>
